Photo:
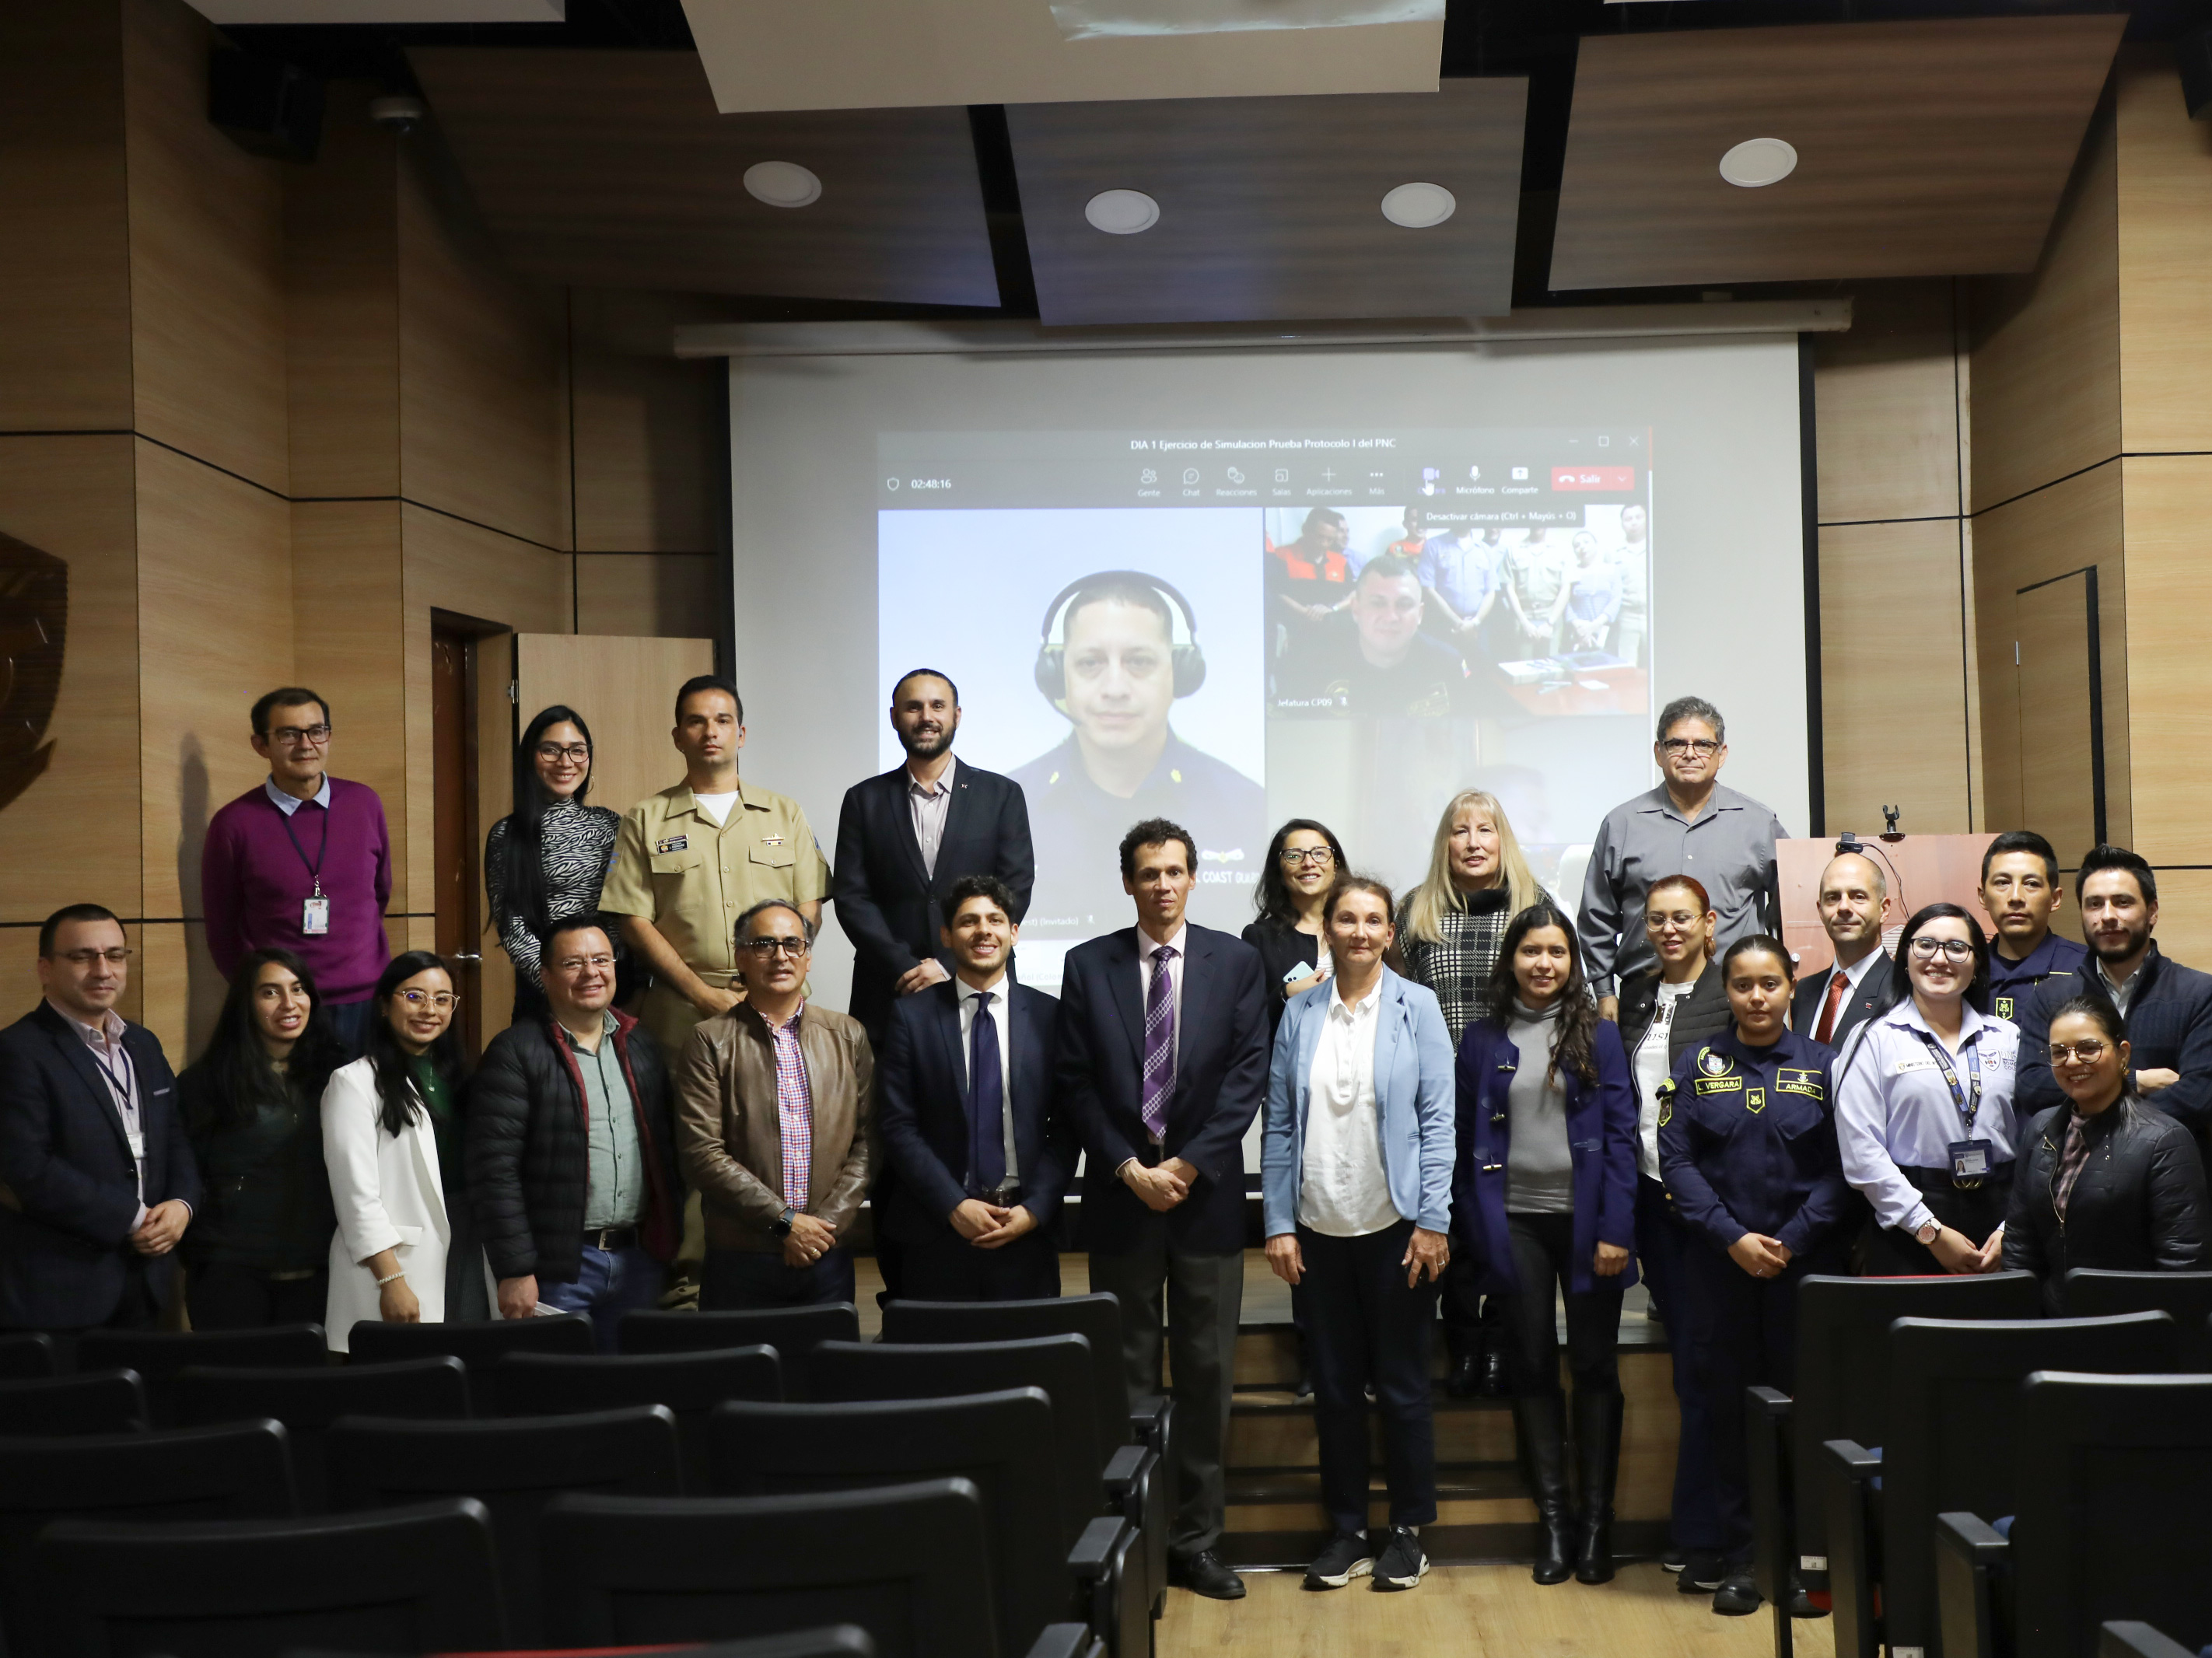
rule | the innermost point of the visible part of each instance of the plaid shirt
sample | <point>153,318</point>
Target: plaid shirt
<point>795,1107</point>
<point>1458,966</point>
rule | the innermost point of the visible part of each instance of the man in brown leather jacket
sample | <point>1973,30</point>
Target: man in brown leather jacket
<point>773,1127</point>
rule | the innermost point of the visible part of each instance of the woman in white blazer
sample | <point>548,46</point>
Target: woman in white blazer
<point>404,1252</point>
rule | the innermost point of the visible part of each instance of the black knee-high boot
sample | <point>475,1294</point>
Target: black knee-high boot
<point>1597,1464</point>
<point>1539,1429</point>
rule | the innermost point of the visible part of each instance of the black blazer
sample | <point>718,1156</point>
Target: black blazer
<point>922,1115</point>
<point>1858,1006</point>
<point>1281,948</point>
<point>888,905</point>
<point>1221,1081</point>
<point>2138,1205</point>
<point>72,1188</point>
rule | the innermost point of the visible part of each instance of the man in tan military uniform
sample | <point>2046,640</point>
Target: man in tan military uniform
<point>692,858</point>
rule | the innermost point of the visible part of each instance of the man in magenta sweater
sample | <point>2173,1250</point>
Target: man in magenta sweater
<point>303,863</point>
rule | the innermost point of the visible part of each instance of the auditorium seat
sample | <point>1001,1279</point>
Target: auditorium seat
<point>999,1441</point>
<point>88,1402</point>
<point>239,1472</point>
<point>513,1467</point>
<point>1953,1410</point>
<point>1842,1393</point>
<point>2093,1292</point>
<point>422,1579</point>
<point>838,1641</point>
<point>688,1384</point>
<point>308,1400</point>
<point>28,1356</point>
<point>793,1332</point>
<point>479,1347</point>
<point>159,1355</point>
<point>908,1564</point>
<point>2110,1473</point>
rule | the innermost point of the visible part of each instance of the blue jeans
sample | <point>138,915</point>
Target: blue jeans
<point>609,1282</point>
<point>350,1023</point>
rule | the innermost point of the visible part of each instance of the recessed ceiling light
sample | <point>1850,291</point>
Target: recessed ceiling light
<point>1121,212</point>
<point>1418,206</point>
<point>1757,161</point>
<point>783,184</point>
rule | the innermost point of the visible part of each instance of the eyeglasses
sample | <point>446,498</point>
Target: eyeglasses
<point>577,963</point>
<point>1703,747</point>
<point>87,957</point>
<point>1655,920</point>
<point>2086,1053</point>
<point>1927,949</point>
<point>300,737</point>
<point>764,947</point>
<point>445,1001</point>
<point>580,753</point>
<point>1294,857</point>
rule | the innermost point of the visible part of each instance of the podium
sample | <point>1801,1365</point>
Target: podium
<point>1921,870</point>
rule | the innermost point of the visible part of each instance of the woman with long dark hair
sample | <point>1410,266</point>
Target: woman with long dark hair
<point>2105,1181</point>
<point>547,859</point>
<point>258,1246</point>
<point>1545,1195</point>
<point>1304,862</point>
<point>405,1250</point>
<point>1923,1106</point>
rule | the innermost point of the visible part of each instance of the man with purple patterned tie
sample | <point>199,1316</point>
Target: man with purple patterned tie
<point>1162,1066</point>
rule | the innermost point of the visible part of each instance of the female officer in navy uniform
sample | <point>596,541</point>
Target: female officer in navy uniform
<point>1747,1150</point>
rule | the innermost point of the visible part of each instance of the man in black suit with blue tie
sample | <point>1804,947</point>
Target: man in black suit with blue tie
<point>964,1103</point>
<point>1162,1066</point>
<point>97,1182</point>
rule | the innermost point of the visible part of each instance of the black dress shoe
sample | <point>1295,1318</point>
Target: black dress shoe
<point>1204,1574</point>
<point>1494,1384</point>
<point>1463,1376</point>
<point>1738,1595</point>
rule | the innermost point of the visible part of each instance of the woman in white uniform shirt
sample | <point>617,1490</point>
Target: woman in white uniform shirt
<point>1924,1107</point>
<point>1355,1176</point>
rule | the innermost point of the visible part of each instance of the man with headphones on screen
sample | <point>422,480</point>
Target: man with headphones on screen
<point>1118,648</point>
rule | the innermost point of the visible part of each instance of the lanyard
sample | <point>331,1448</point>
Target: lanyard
<point>1968,1100</point>
<point>315,869</point>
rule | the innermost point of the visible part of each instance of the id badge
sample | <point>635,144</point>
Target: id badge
<point>315,916</point>
<point>1970,1160</point>
<point>137,1145</point>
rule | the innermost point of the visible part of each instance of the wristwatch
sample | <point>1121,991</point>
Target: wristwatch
<point>1928,1234</point>
<point>781,1226</point>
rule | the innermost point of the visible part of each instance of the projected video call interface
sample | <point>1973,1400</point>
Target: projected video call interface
<point>1231,629</point>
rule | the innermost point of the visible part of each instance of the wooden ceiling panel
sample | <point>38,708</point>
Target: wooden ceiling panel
<point>613,169</point>
<point>1271,208</point>
<point>1923,149</point>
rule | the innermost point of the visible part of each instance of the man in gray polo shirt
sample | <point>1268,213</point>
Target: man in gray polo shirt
<point>1689,825</point>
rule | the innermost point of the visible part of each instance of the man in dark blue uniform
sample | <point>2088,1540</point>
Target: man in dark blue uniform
<point>1116,670</point>
<point>1747,1150</point>
<point>2021,893</point>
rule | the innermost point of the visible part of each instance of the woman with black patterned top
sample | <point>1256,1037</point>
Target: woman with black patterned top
<point>547,859</point>
<point>1450,928</point>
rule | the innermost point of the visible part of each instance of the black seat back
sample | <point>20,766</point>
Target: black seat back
<point>89,1402</point>
<point>513,1467</point>
<point>793,1332</point>
<point>479,1347</point>
<point>688,1384</point>
<point>1096,1318</point>
<point>240,1472</point>
<point>1059,1365</point>
<point>1842,1359</point>
<point>409,1580</point>
<point>1002,1442</point>
<point>27,1355</point>
<point>2092,1292</point>
<point>159,1355</point>
<point>307,1401</point>
<point>907,1563</point>
<point>2112,1477</point>
<point>1954,1393</point>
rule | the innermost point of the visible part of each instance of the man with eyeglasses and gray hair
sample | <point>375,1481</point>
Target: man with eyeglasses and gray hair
<point>1689,825</point>
<point>773,1126</point>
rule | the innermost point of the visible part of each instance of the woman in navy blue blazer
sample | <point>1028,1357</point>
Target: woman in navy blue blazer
<point>1545,1193</point>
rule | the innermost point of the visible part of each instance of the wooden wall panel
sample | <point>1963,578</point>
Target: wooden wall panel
<point>2184,914</point>
<point>1893,663</point>
<point>73,835</point>
<point>207,259</point>
<point>2046,346</point>
<point>650,467</point>
<point>2167,505</point>
<point>64,250</point>
<point>1885,401</point>
<point>483,415</point>
<point>649,595</point>
<point>2164,237</point>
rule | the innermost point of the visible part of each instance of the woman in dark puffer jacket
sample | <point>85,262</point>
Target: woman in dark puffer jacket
<point>2106,1181</point>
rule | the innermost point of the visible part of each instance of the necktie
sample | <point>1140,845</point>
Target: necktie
<point>1160,1044</point>
<point>987,1103</point>
<point>1837,984</point>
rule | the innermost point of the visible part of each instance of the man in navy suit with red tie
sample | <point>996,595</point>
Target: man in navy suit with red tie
<point>1162,1066</point>
<point>964,1102</point>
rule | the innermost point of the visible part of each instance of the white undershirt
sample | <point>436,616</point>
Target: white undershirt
<point>1653,1067</point>
<point>717,806</point>
<point>1343,1192</point>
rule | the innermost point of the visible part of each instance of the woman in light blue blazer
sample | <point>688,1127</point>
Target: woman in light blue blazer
<point>1355,1173</point>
